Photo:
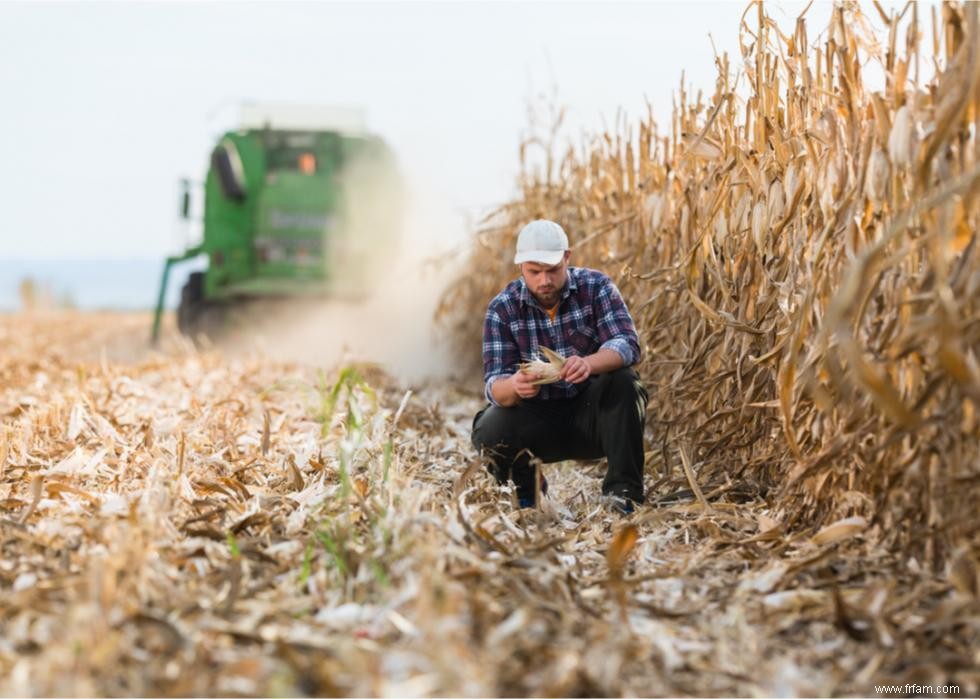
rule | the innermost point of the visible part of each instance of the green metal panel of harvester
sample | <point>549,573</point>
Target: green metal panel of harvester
<point>288,211</point>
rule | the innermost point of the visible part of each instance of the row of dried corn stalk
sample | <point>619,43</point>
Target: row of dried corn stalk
<point>799,254</point>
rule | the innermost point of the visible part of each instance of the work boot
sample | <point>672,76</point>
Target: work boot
<point>525,500</point>
<point>620,504</point>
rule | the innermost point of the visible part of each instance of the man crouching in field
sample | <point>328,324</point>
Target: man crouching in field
<point>596,408</point>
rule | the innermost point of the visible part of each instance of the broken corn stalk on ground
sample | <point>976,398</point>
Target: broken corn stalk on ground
<point>799,252</point>
<point>186,524</point>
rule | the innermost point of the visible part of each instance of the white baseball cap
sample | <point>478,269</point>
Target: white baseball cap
<point>541,241</point>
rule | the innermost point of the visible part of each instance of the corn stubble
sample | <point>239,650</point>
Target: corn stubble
<point>194,525</point>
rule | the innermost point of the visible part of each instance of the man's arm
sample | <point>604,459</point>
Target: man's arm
<point>505,386</point>
<point>615,325</point>
<point>578,369</point>
<point>620,345</point>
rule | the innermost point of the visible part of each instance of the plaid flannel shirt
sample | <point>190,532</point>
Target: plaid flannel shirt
<point>591,316</point>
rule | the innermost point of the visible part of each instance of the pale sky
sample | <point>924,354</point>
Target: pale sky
<point>107,105</point>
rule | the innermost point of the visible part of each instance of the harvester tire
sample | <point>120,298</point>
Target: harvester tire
<point>227,164</point>
<point>191,304</point>
<point>196,316</point>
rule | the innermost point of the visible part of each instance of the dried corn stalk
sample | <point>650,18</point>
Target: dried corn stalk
<point>799,254</point>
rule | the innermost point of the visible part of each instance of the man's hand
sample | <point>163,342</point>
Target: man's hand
<point>523,386</point>
<point>576,370</point>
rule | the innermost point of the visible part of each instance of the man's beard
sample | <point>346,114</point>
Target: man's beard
<point>547,298</point>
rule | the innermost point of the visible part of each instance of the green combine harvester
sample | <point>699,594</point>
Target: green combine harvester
<point>296,201</point>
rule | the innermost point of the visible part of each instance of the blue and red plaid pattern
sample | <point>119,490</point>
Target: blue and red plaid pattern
<point>591,316</point>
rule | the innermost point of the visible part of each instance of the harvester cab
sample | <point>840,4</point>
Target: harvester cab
<point>295,202</point>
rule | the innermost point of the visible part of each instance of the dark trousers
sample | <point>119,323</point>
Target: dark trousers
<point>606,419</point>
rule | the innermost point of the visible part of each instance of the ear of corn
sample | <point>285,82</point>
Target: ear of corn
<point>547,370</point>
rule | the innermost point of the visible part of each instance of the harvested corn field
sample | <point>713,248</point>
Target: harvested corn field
<point>189,524</point>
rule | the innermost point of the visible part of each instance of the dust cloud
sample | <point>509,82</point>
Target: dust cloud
<point>382,309</point>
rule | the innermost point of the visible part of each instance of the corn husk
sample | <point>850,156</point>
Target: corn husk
<point>546,369</point>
